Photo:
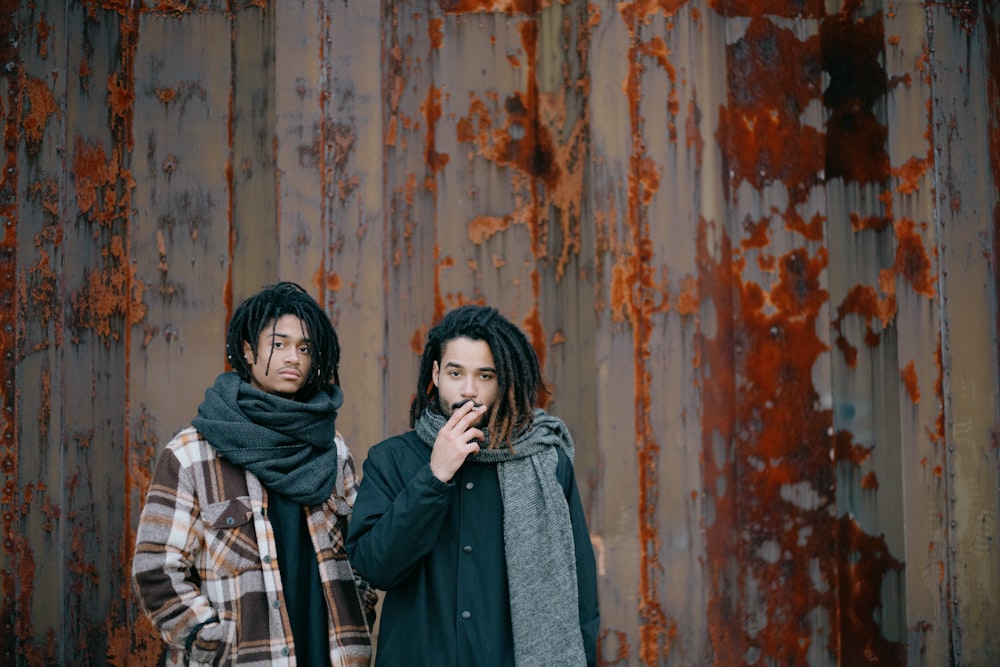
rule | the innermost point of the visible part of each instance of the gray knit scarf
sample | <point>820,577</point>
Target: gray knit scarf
<point>288,445</point>
<point>538,541</point>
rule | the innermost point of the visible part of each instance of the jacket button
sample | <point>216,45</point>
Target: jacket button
<point>466,615</point>
<point>276,604</point>
<point>469,485</point>
<point>266,559</point>
<point>230,520</point>
<point>285,651</point>
<point>468,549</point>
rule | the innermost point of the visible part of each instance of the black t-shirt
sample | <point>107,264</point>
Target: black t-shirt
<point>300,578</point>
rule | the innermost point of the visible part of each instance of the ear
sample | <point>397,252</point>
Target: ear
<point>248,352</point>
<point>434,373</point>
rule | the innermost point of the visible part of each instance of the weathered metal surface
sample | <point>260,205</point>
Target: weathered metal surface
<point>753,243</point>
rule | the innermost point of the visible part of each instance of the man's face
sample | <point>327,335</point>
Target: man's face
<point>466,373</point>
<point>283,359</point>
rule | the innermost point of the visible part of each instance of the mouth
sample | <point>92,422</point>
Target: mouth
<point>456,406</point>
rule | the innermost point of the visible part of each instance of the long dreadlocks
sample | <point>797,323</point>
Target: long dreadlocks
<point>264,309</point>
<point>519,376</point>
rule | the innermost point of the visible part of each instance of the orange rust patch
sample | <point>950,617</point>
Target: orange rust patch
<point>862,300</point>
<point>909,378</point>
<point>485,226</point>
<point>435,32</point>
<point>417,341</point>
<point>166,95</point>
<point>912,262</point>
<point>509,7</point>
<point>870,482</point>
<point>687,300</point>
<point>41,106</point>
<point>760,401</point>
<point>43,29</point>
<point>873,222</point>
<point>909,174</point>
<point>434,160</point>
<point>692,130</point>
<point>547,174</point>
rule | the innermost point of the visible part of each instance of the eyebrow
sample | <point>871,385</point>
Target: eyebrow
<point>455,364</point>
<point>278,334</point>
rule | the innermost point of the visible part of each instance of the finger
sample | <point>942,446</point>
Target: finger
<point>471,416</point>
<point>474,435</point>
<point>459,413</point>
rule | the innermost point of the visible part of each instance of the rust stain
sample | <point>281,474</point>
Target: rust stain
<point>773,483</point>
<point>435,32</point>
<point>38,288</point>
<point>614,640</point>
<point>909,174</point>
<point>166,95</point>
<point>845,449</point>
<point>132,637</point>
<point>636,296</point>
<point>484,226</point>
<point>41,106</point>
<point>875,223</point>
<point>865,301</point>
<point>912,261</point>
<point>909,377</point>
<point>547,174</point>
<point>797,9</point>
<point>855,138</point>
<point>83,72</point>
<point>509,7</point>
<point>863,562</point>
<point>774,515</point>
<point>692,130</point>
<point>761,133</point>
<point>17,577</point>
<point>43,29</point>
<point>869,482</point>
<point>434,160</point>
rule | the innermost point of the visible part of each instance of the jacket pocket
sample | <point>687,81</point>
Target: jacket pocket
<point>230,538</point>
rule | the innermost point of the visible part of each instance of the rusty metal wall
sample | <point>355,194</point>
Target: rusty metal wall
<point>754,244</point>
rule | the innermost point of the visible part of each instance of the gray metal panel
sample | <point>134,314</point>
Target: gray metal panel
<point>755,251</point>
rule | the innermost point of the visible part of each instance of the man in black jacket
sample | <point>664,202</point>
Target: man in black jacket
<point>472,522</point>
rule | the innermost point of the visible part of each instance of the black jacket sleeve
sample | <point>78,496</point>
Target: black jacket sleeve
<point>397,515</point>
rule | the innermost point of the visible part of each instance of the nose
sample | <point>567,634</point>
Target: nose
<point>469,387</point>
<point>292,354</point>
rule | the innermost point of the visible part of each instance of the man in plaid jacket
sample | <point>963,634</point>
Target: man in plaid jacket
<point>239,556</point>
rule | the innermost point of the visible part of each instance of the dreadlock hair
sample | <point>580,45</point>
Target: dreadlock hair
<point>264,309</point>
<point>519,375</point>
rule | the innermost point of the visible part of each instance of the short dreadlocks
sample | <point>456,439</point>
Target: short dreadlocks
<point>519,375</point>
<point>264,309</point>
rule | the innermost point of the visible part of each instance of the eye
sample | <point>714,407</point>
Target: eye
<point>304,349</point>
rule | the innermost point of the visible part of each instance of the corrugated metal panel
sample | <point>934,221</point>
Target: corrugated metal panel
<point>753,243</point>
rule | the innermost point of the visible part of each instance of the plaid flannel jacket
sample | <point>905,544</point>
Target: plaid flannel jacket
<point>204,570</point>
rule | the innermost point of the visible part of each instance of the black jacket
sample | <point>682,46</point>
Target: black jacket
<point>437,549</point>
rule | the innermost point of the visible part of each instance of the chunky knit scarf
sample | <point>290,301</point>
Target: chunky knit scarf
<point>538,541</point>
<point>288,445</point>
